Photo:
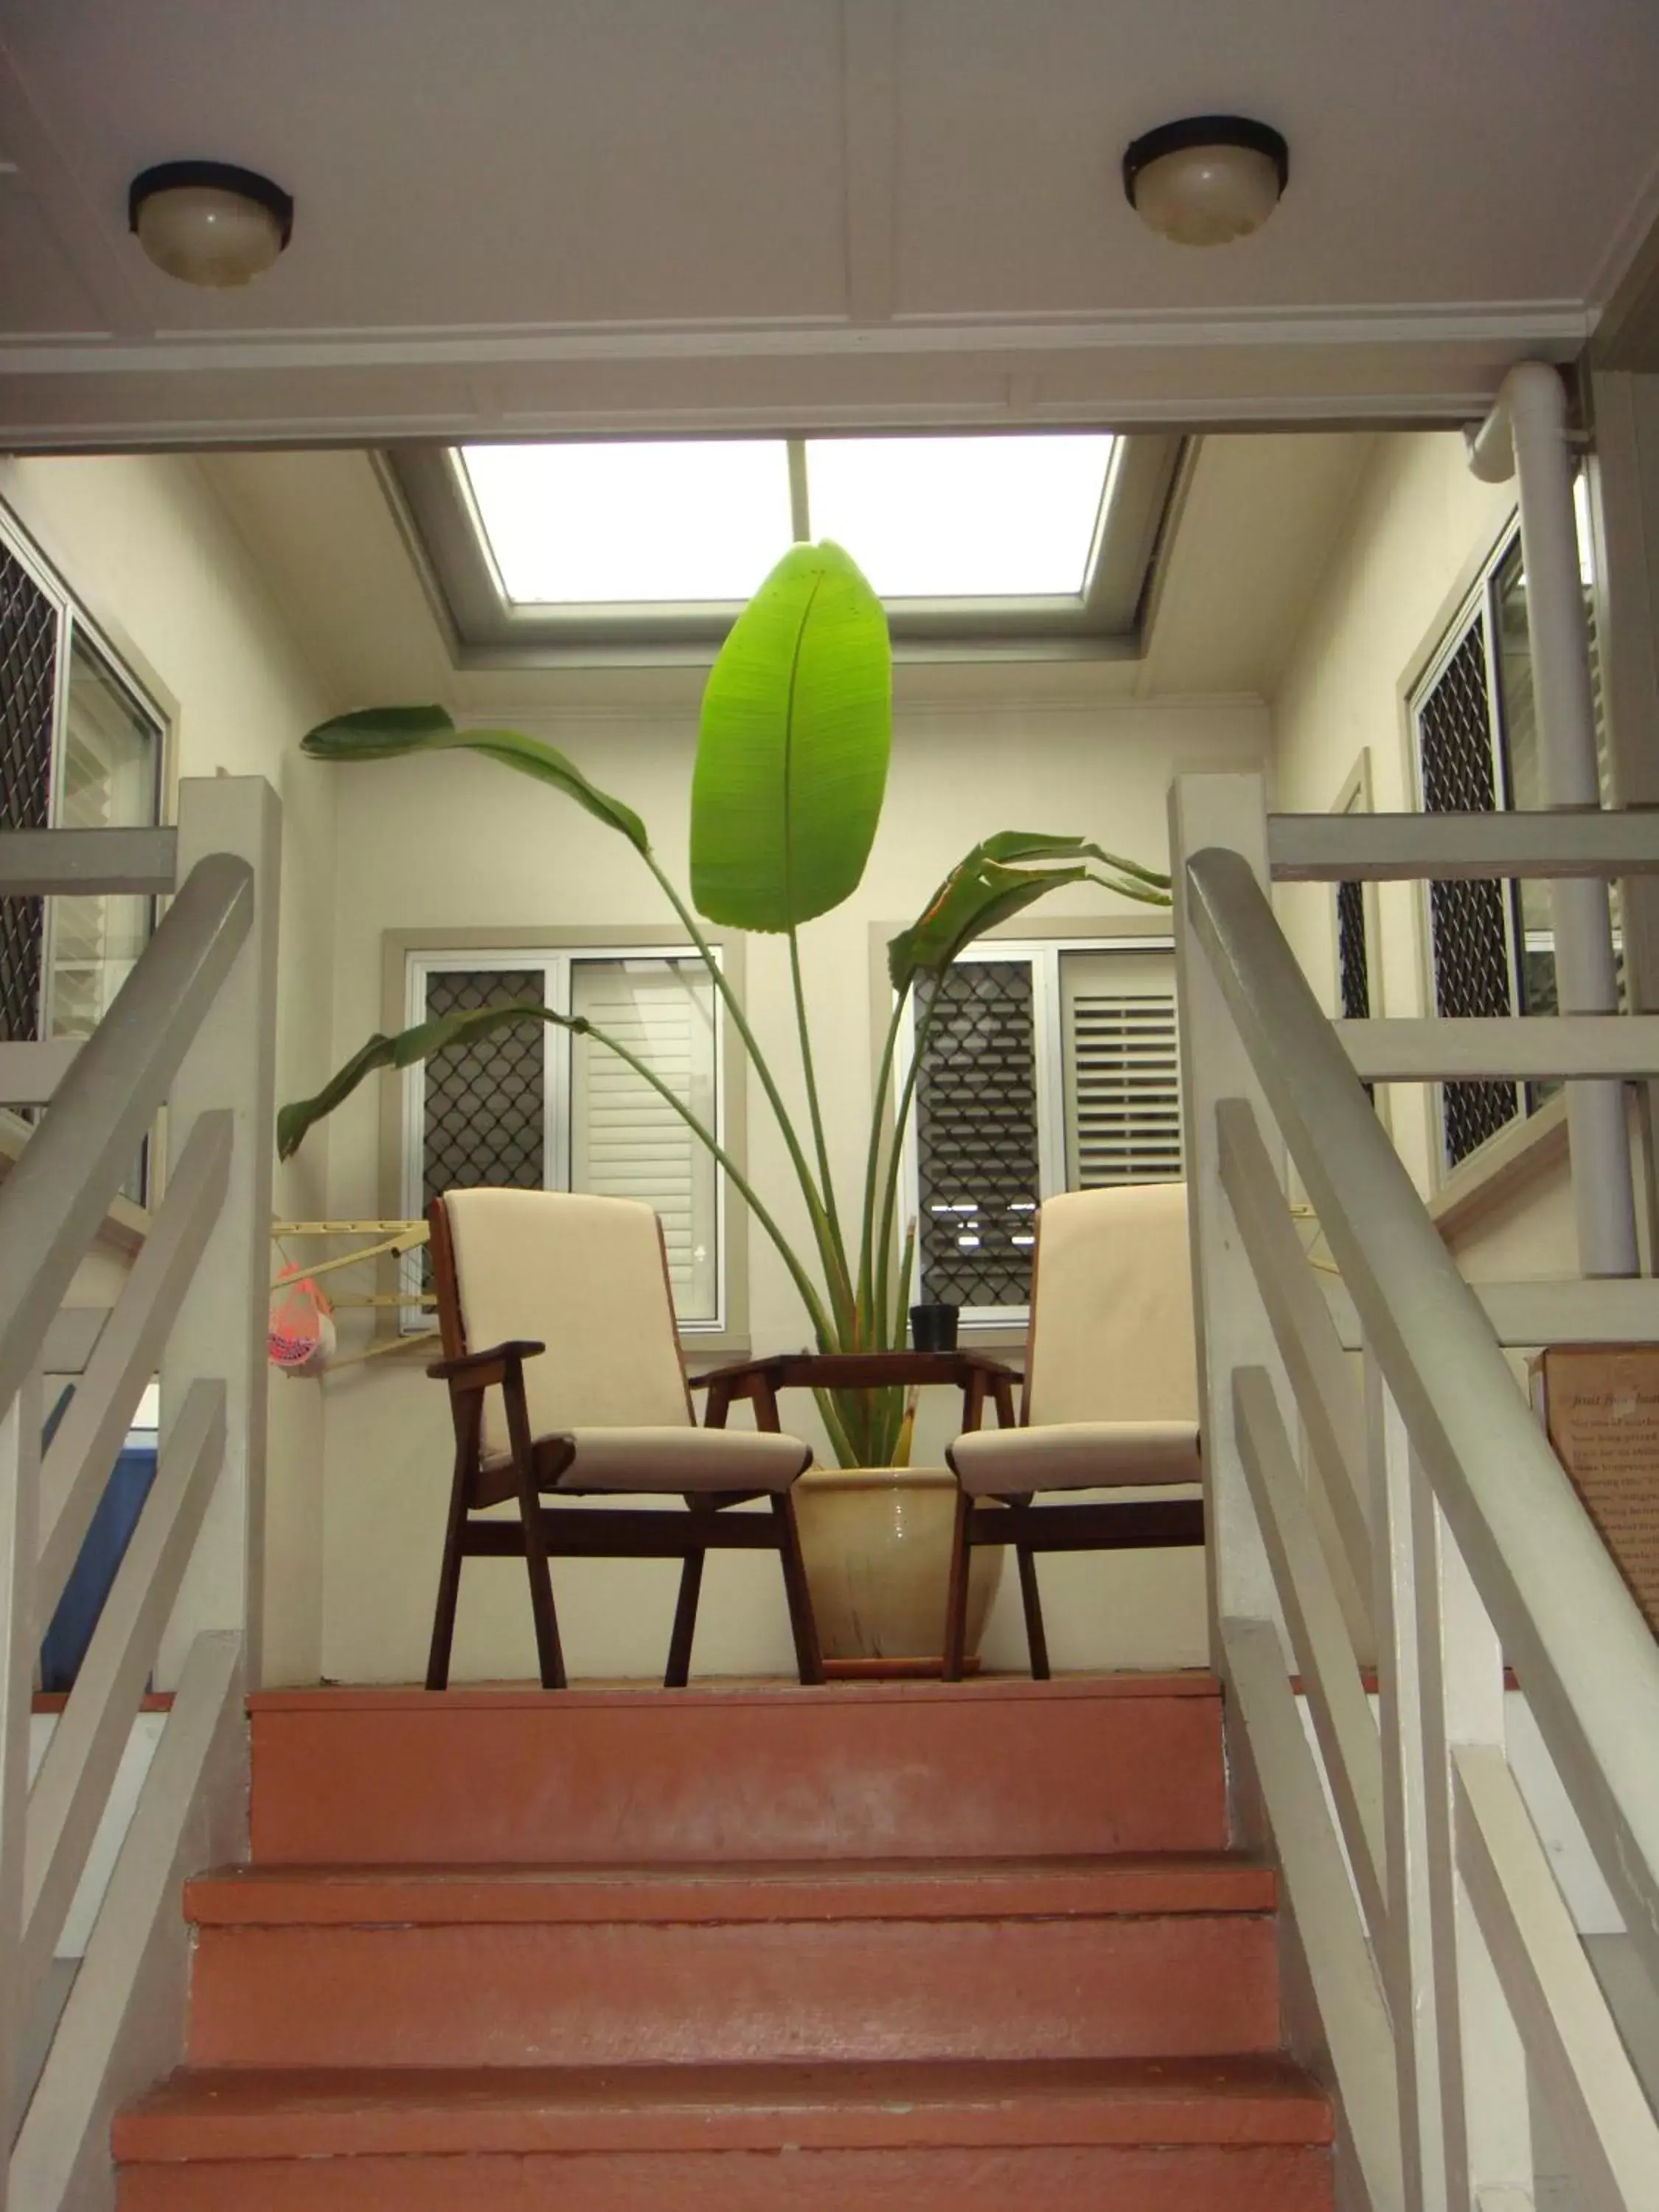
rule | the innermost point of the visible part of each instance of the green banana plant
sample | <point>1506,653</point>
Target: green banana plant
<point>793,750</point>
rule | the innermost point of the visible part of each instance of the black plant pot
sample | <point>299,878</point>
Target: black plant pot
<point>933,1327</point>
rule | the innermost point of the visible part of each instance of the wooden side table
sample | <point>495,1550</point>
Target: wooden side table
<point>874,1622</point>
<point>975,1374</point>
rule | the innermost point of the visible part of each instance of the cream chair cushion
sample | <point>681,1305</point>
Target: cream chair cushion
<point>677,1460</point>
<point>1112,1324</point>
<point>585,1277</point>
<point>1075,1456</point>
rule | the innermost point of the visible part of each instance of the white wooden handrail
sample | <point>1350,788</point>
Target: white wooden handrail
<point>73,1785</point>
<point>1612,2141</point>
<point>1503,1046</point>
<point>55,1197</point>
<point>128,1353</point>
<point>1384,848</point>
<point>1424,1902</point>
<point>37,863</point>
<point>1568,1623</point>
<point>192,1027</point>
<point>1574,1309</point>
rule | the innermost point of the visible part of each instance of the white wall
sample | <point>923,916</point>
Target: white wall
<point>459,842</point>
<point>1419,523</point>
<point>145,546</point>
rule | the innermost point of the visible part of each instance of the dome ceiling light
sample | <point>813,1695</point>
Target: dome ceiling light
<point>1206,179</point>
<point>209,222</point>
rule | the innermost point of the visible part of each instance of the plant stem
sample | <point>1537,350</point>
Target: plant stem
<point>873,1169</point>
<point>902,1115</point>
<point>840,1291</point>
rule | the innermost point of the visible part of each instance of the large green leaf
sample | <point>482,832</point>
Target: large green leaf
<point>793,749</point>
<point>985,888</point>
<point>292,1122</point>
<point>384,733</point>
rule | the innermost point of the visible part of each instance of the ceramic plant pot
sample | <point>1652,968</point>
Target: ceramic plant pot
<point>876,1543</point>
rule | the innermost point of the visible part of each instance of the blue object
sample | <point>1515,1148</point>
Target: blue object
<point>94,1575</point>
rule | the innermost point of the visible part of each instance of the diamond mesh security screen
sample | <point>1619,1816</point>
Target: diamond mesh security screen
<point>28,656</point>
<point>485,1101</point>
<point>977,1136</point>
<point>1467,920</point>
<point>1353,953</point>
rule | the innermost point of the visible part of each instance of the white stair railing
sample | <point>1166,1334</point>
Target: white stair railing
<point>1443,1964</point>
<point>191,1029</point>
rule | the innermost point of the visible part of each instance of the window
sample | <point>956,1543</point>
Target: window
<point>613,543</point>
<point>1491,943</point>
<point>80,748</point>
<point>1045,1068</point>
<point>535,1108</point>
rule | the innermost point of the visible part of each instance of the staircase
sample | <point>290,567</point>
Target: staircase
<point>879,1947</point>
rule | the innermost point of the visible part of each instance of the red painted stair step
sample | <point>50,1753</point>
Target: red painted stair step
<point>1248,2133</point>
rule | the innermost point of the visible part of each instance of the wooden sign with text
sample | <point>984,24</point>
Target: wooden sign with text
<point>1600,1406</point>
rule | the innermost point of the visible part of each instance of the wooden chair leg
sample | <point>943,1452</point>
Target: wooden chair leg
<point>449,1586</point>
<point>678,1670</point>
<point>955,1603</point>
<point>1036,1641</point>
<point>809,1662</point>
<point>549,1655</point>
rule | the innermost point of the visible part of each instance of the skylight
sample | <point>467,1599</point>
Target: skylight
<point>621,550</point>
<point>576,524</point>
<point>961,518</point>
<point>680,523</point>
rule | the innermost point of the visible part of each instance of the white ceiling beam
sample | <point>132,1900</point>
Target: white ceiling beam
<point>870,155</point>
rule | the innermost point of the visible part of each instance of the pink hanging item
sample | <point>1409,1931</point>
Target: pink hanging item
<point>300,1338</point>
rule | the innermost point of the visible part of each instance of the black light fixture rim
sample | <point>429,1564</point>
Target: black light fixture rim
<point>1192,131</point>
<point>217,176</point>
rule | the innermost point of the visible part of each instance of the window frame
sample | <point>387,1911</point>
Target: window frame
<point>76,626</point>
<point>1477,600</point>
<point>428,487</point>
<point>1045,949</point>
<point>408,955</point>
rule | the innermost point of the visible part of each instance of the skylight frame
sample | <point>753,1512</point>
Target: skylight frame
<point>431,491</point>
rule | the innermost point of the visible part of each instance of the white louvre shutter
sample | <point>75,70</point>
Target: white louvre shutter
<point>1122,1068</point>
<point>626,1141</point>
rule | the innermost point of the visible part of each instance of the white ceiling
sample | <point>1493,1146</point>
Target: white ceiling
<point>520,214</point>
<point>1258,520</point>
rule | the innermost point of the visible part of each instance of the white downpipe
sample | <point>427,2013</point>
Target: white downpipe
<point>1526,437</point>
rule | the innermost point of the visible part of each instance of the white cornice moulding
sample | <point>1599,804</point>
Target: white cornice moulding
<point>1549,325</point>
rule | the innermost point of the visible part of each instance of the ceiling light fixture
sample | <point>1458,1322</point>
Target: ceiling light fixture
<point>1206,179</point>
<point>209,222</point>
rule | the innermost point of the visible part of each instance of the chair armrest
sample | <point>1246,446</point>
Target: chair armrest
<point>478,1370</point>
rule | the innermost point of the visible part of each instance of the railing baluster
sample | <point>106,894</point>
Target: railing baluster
<point>1347,1989</point>
<point>1406,1949</point>
<point>129,1353</point>
<point>76,1777</point>
<point>1342,1714</point>
<point>1325,1391</point>
<point>1483,2075</point>
<point>1611,2140</point>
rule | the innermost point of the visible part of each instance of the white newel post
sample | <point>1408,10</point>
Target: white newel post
<point>1233,1329</point>
<point>222,1324</point>
<point>1526,433</point>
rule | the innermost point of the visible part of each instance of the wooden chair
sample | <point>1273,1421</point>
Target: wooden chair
<point>1110,1401</point>
<point>566,1380</point>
